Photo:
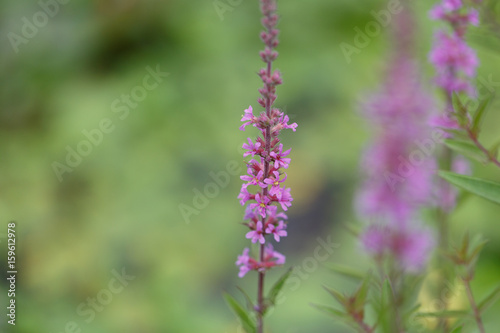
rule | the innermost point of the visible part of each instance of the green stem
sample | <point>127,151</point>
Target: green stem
<point>473,305</point>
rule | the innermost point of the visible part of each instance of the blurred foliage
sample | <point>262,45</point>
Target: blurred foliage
<point>119,208</point>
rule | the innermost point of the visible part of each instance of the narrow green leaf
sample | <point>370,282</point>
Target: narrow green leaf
<point>458,134</point>
<point>362,292</point>
<point>489,300</point>
<point>346,271</point>
<point>458,106</point>
<point>352,228</point>
<point>250,305</point>
<point>247,323</point>
<point>483,188</point>
<point>276,288</point>
<point>338,296</point>
<point>493,151</point>
<point>384,310</point>
<point>444,314</point>
<point>479,115</point>
<point>457,329</point>
<point>466,148</point>
<point>465,246</point>
<point>415,285</point>
<point>461,113</point>
<point>474,254</point>
<point>331,311</point>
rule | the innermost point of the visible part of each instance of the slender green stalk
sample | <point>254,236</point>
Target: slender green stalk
<point>473,305</point>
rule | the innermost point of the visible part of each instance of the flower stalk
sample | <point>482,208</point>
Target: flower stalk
<point>475,309</point>
<point>265,169</point>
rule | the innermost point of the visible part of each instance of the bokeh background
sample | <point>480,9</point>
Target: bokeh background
<point>119,207</point>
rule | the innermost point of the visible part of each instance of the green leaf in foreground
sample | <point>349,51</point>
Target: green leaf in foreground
<point>457,329</point>
<point>489,300</point>
<point>247,322</point>
<point>331,311</point>
<point>346,271</point>
<point>483,188</point>
<point>466,148</point>
<point>479,115</point>
<point>276,288</point>
<point>444,314</point>
<point>250,305</point>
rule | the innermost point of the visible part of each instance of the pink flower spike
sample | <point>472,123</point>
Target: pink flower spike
<point>257,235</point>
<point>261,191</point>
<point>455,62</point>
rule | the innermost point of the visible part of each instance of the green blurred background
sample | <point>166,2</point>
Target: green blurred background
<point>119,208</point>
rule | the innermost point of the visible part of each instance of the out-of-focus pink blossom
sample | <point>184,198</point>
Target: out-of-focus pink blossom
<point>409,247</point>
<point>455,63</point>
<point>398,173</point>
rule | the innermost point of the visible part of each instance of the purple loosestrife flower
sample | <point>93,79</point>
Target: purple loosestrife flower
<point>264,190</point>
<point>277,230</point>
<point>261,204</point>
<point>398,175</point>
<point>270,258</point>
<point>454,60</point>
<point>396,187</point>
<point>243,261</point>
<point>409,247</point>
<point>279,157</point>
<point>251,147</point>
<point>248,117</point>
<point>253,179</point>
<point>455,63</point>
<point>257,235</point>
<point>275,183</point>
<point>244,195</point>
